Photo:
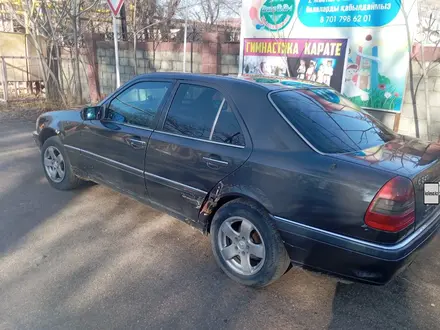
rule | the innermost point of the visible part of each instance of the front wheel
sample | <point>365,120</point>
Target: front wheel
<point>57,166</point>
<point>246,244</point>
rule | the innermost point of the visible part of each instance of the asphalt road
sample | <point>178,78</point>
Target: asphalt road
<point>94,259</point>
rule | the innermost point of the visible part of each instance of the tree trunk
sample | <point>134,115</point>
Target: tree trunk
<point>51,87</point>
<point>78,89</point>
<point>123,23</point>
<point>411,74</point>
<point>134,38</point>
<point>60,69</point>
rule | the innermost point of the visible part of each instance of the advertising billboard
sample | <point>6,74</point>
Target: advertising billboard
<point>358,47</point>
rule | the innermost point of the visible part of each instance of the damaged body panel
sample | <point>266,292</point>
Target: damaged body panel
<point>226,190</point>
<point>177,174</point>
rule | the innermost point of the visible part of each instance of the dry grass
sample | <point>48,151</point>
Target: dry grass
<point>29,109</point>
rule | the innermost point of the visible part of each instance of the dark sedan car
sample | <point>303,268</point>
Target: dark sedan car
<point>275,171</point>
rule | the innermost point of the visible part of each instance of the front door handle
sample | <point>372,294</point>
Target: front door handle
<point>136,143</point>
<point>213,162</point>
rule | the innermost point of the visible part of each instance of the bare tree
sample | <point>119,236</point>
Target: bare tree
<point>52,25</point>
<point>151,20</point>
<point>428,32</point>
<point>142,19</point>
<point>78,9</point>
<point>234,7</point>
<point>39,24</point>
<point>211,11</point>
<point>406,13</point>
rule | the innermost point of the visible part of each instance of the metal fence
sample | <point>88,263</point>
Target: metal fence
<point>20,76</point>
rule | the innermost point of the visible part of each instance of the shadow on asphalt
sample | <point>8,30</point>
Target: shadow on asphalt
<point>92,258</point>
<point>357,306</point>
<point>410,301</point>
<point>20,210</point>
<point>21,204</point>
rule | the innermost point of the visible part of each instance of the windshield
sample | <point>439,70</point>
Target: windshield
<point>330,122</point>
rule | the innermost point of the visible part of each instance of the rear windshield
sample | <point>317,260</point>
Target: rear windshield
<point>330,122</point>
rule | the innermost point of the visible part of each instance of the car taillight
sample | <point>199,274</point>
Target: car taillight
<point>393,207</point>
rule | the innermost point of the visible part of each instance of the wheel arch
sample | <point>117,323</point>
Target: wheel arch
<point>221,195</point>
<point>46,133</point>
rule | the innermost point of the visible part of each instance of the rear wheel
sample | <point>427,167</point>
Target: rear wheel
<point>246,244</point>
<point>57,166</point>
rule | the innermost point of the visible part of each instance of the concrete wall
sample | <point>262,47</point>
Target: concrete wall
<point>230,58</point>
<point>409,122</point>
<point>146,61</point>
<point>68,65</point>
<point>211,56</point>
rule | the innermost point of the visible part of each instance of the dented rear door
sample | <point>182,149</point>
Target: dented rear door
<point>201,141</point>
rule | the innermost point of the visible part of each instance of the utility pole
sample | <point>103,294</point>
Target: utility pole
<point>185,33</point>
<point>115,39</point>
<point>426,83</point>
<point>115,6</point>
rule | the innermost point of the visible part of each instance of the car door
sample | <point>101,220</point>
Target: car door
<point>200,140</point>
<point>114,147</point>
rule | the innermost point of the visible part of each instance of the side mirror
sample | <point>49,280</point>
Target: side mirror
<point>91,113</point>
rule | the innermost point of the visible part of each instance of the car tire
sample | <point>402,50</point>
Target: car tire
<point>255,260</point>
<point>60,174</point>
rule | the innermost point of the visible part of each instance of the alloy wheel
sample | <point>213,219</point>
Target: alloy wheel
<point>241,246</point>
<point>54,164</point>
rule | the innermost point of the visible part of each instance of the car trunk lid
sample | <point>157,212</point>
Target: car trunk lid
<point>409,157</point>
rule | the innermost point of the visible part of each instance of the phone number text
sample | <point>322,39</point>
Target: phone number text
<point>345,19</point>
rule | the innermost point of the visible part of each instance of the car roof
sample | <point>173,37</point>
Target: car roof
<point>269,83</point>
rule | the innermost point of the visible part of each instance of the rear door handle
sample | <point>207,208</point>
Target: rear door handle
<point>216,162</point>
<point>136,143</point>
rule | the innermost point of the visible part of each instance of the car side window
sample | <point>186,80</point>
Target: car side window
<point>227,128</point>
<point>138,105</point>
<point>193,111</point>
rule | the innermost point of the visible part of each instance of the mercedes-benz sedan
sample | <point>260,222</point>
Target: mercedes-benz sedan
<point>276,171</point>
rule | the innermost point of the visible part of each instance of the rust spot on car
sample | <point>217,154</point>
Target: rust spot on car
<point>212,200</point>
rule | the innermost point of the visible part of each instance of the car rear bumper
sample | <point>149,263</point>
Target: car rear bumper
<point>349,257</point>
<point>36,139</point>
